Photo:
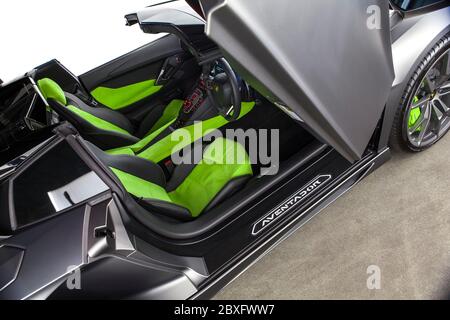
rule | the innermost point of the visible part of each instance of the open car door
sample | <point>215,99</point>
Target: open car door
<point>329,62</point>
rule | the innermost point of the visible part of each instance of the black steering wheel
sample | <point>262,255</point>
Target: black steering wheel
<point>224,92</point>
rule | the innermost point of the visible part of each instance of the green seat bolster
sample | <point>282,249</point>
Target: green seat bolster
<point>170,113</point>
<point>211,175</point>
<point>97,122</point>
<point>186,136</point>
<point>223,161</point>
<point>51,90</point>
<point>135,148</point>
<point>121,151</point>
<point>141,188</point>
<point>118,98</point>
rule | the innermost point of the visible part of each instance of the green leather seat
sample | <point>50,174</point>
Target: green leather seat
<point>193,189</point>
<point>162,143</point>
<point>111,130</point>
<point>101,125</point>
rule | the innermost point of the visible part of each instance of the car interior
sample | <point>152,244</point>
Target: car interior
<point>139,152</point>
<point>128,112</point>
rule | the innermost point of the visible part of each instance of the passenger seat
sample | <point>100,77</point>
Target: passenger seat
<point>102,126</point>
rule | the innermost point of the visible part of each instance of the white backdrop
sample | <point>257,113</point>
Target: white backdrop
<point>81,34</point>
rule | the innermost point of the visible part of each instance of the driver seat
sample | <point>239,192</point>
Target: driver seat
<point>193,189</point>
<point>102,126</point>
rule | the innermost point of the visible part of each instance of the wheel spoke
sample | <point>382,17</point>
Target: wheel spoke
<point>441,106</point>
<point>444,90</point>
<point>446,64</point>
<point>426,124</point>
<point>429,84</point>
<point>442,71</point>
<point>417,125</point>
<point>443,65</point>
<point>422,104</point>
<point>437,128</point>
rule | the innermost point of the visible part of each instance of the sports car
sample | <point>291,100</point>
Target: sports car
<point>167,172</point>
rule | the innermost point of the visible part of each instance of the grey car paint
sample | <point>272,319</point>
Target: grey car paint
<point>47,256</point>
<point>319,58</point>
<point>413,37</point>
<point>41,245</point>
<point>408,47</point>
<point>127,272</point>
<point>176,12</point>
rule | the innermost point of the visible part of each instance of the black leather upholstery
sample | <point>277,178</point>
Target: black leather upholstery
<point>166,209</point>
<point>102,138</point>
<point>151,172</point>
<point>104,113</point>
<point>230,188</point>
<point>133,165</point>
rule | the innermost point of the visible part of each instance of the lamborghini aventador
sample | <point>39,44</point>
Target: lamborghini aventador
<point>124,183</point>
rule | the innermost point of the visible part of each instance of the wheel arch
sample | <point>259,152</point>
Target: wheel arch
<point>409,50</point>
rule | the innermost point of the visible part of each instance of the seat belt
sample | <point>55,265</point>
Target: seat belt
<point>191,104</point>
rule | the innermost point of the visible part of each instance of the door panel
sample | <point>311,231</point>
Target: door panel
<point>122,97</point>
<point>329,61</point>
<point>130,78</point>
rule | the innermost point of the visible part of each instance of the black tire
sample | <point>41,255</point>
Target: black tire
<point>398,139</point>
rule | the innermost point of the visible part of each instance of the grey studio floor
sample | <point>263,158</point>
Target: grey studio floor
<point>398,219</point>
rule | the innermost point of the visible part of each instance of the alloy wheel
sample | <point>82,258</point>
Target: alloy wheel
<point>428,117</point>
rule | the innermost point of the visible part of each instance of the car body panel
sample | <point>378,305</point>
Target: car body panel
<point>413,37</point>
<point>46,254</point>
<point>318,58</point>
<point>415,40</point>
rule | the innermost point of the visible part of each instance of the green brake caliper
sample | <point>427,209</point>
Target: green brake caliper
<point>414,115</point>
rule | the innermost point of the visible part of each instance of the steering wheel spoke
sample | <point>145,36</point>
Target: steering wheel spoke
<point>223,86</point>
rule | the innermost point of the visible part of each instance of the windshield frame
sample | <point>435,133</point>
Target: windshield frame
<point>422,10</point>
